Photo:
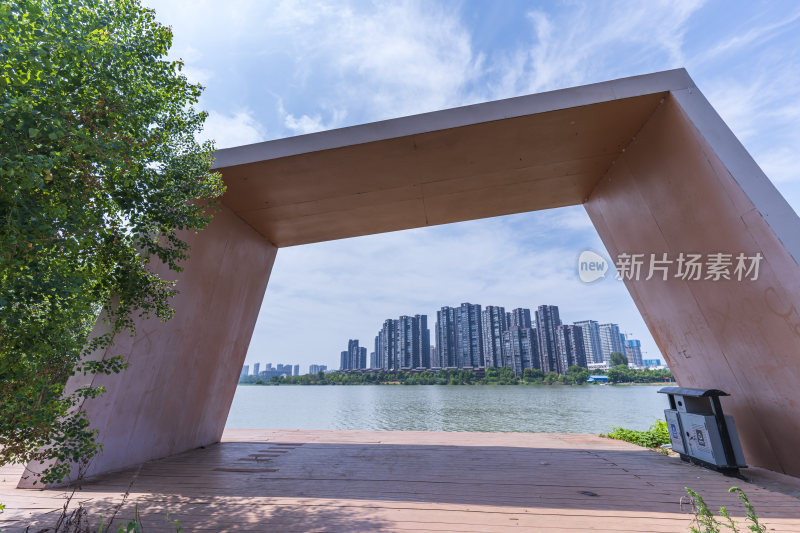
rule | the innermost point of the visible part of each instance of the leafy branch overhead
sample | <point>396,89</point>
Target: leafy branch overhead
<point>100,175</point>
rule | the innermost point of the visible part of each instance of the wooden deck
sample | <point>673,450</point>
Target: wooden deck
<point>275,480</point>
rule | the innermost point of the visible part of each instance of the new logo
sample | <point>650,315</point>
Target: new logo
<point>591,266</point>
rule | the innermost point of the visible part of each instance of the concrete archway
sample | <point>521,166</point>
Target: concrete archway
<point>655,167</point>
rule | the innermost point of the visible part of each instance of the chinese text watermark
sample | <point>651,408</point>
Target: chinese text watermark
<point>663,266</point>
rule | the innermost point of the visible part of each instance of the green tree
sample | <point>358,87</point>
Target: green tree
<point>618,358</point>
<point>532,375</point>
<point>577,374</point>
<point>621,374</point>
<point>99,171</point>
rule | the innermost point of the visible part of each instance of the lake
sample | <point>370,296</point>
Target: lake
<point>548,409</point>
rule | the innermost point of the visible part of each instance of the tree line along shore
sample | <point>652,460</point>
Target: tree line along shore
<point>576,375</point>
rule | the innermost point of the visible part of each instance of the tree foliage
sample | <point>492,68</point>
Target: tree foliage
<point>618,358</point>
<point>99,173</point>
<point>576,375</point>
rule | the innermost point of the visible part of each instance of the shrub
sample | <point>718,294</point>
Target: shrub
<point>655,436</point>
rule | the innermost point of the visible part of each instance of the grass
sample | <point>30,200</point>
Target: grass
<point>653,437</point>
<point>706,522</point>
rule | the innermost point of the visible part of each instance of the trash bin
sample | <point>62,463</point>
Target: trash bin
<point>700,432</point>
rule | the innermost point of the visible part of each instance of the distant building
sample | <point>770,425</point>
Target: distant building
<point>386,345</point>
<point>316,369</point>
<point>446,337</point>
<point>591,340</point>
<point>245,371</point>
<point>413,342</point>
<point>547,320</point>
<point>634,352</point>
<point>296,370</point>
<point>355,358</point>
<point>520,318</point>
<point>650,363</point>
<point>610,340</point>
<point>570,346</point>
<point>597,379</point>
<point>434,357</point>
<point>493,322</point>
<point>520,349</point>
<point>255,369</point>
<point>469,336</point>
<point>373,360</point>
<point>403,343</point>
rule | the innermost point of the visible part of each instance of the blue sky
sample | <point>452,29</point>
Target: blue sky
<point>277,69</point>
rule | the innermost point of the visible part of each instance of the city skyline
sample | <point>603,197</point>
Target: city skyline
<point>477,336</point>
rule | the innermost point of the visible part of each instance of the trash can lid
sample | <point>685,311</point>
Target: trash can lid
<point>697,393</point>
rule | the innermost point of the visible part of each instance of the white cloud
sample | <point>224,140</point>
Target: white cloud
<point>232,130</point>
<point>384,60</point>
<point>588,42</point>
<point>309,124</point>
<point>751,37</point>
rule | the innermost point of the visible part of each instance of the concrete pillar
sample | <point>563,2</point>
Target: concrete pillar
<point>182,374</point>
<point>672,190</point>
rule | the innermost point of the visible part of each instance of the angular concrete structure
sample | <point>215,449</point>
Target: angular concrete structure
<point>656,168</point>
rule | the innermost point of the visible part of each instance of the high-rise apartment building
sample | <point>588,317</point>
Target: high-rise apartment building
<point>414,342</point>
<point>610,340</point>
<point>591,340</point>
<point>245,371</point>
<point>316,369</point>
<point>634,352</point>
<point>403,343</point>
<point>520,349</point>
<point>571,344</point>
<point>434,358</point>
<point>296,370</point>
<point>547,320</point>
<point>493,322</point>
<point>423,342</point>
<point>355,358</point>
<point>521,318</point>
<point>469,336</point>
<point>446,337</point>
<point>255,368</point>
<point>386,345</point>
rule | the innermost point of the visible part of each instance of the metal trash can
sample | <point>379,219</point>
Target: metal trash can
<point>700,432</point>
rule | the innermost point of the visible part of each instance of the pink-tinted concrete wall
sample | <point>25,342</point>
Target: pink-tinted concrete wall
<point>179,386</point>
<point>671,192</point>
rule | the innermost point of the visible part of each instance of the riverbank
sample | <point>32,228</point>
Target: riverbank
<point>490,376</point>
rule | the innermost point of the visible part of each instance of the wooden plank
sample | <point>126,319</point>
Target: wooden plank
<point>403,481</point>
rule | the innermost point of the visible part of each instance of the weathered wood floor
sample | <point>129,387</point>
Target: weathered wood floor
<point>273,480</point>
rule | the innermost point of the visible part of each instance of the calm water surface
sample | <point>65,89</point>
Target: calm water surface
<point>556,409</point>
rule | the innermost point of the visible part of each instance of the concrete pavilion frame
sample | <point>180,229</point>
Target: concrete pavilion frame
<point>655,167</point>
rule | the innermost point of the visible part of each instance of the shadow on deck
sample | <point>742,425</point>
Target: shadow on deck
<point>417,481</point>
